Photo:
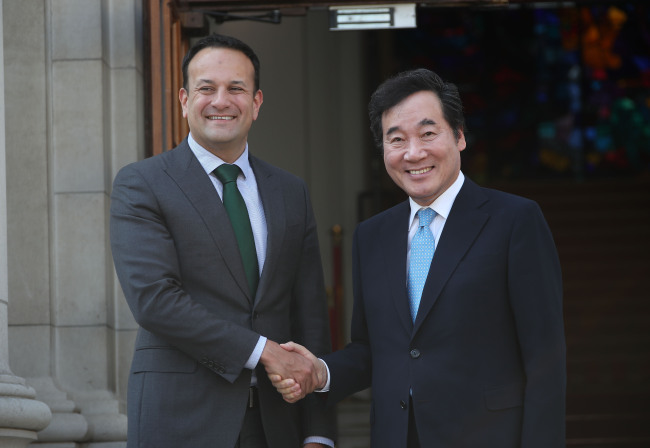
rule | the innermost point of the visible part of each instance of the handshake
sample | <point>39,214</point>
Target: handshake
<point>293,370</point>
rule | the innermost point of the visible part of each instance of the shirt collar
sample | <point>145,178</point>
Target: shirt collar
<point>210,162</point>
<point>442,205</point>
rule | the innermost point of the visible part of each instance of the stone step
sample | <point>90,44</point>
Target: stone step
<point>607,324</point>
<point>353,416</point>
<point>608,426</point>
<point>353,442</point>
<point>609,442</point>
<point>633,402</point>
<point>608,296</point>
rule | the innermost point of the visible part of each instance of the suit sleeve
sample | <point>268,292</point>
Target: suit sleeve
<point>147,266</point>
<point>535,287</point>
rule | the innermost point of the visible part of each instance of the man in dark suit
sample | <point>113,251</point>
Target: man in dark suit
<point>212,302</point>
<point>464,349</point>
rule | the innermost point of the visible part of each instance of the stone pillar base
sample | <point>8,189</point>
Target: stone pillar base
<point>55,445</point>
<point>76,445</point>
<point>15,438</point>
<point>21,415</point>
<point>67,425</point>
<point>105,445</point>
<point>106,426</point>
<point>80,419</point>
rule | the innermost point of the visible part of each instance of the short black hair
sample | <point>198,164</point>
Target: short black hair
<point>221,41</point>
<point>394,90</point>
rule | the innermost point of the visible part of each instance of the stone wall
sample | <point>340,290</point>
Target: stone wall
<point>73,102</point>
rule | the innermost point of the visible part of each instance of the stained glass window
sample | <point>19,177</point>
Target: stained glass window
<point>548,91</point>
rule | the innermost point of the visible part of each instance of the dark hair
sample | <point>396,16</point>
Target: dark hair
<point>392,91</point>
<point>221,41</point>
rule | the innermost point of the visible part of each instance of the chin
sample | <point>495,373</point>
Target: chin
<point>423,198</point>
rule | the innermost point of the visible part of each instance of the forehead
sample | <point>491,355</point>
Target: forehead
<point>211,63</point>
<point>413,111</point>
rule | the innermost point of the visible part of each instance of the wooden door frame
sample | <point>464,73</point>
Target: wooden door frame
<point>165,44</point>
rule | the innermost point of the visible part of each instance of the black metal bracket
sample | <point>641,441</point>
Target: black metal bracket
<point>274,16</point>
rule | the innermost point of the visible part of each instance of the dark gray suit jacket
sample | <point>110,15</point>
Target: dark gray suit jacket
<point>177,260</point>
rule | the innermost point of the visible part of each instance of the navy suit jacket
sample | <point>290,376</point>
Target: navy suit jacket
<point>178,263</point>
<point>484,363</point>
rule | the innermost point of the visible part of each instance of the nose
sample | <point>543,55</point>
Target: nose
<point>220,98</point>
<point>414,151</point>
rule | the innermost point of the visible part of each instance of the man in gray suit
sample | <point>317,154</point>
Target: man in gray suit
<point>209,332</point>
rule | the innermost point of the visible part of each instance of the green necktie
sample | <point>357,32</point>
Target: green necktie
<point>241,224</point>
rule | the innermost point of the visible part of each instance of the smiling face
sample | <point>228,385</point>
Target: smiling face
<point>421,153</point>
<point>220,102</point>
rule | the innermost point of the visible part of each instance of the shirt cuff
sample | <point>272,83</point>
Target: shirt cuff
<point>257,354</point>
<point>321,440</point>
<point>325,388</point>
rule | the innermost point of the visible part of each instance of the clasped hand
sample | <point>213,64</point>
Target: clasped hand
<point>293,370</point>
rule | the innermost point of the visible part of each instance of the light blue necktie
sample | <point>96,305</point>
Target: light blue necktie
<point>422,248</point>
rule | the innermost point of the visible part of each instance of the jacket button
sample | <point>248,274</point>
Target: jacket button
<point>402,404</point>
<point>415,353</point>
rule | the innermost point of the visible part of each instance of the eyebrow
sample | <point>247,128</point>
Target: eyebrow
<point>211,82</point>
<point>423,122</point>
<point>391,130</point>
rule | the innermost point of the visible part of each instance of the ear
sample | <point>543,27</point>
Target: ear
<point>461,143</point>
<point>182,97</point>
<point>258,99</point>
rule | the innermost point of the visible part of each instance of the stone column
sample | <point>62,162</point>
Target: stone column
<point>21,416</point>
<point>60,109</point>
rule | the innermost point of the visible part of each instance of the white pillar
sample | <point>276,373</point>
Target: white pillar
<point>21,416</point>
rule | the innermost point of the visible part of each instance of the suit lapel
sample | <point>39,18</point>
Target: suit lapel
<point>394,235</point>
<point>189,175</point>
<point>463,225</point>
<point>275,213</point>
